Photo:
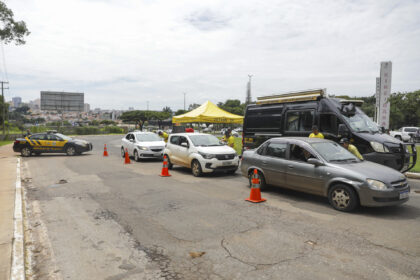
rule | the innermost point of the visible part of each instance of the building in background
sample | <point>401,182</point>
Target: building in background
<point>16,102</point>
<point>62,101</point>
<point>86,108</point>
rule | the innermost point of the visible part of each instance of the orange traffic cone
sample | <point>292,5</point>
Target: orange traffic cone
<point>255,195</point>
<point>127,158</point>
<point>105,151</point>
<point>165,170</point>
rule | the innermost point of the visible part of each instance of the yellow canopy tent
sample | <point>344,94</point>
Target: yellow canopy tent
<point>208,113</point>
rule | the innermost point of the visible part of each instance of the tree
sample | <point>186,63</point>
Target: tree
<point>180,112</point>
<point>167,110</point>
<point>11,30</point>
<point>233,106</point>
<point>137,117</point>
<point>193,106</point>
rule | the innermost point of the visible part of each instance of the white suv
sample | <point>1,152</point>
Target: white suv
<point>203,153</point>
<point>142,145</point>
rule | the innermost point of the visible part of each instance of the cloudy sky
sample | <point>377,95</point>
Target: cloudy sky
<point>122,53</point>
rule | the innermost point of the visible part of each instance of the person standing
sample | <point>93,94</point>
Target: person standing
<point>351,148</point>
<point>229,139</point>
<point>315,133</point>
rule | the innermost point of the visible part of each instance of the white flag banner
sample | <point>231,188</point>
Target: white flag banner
<point>384,94</point>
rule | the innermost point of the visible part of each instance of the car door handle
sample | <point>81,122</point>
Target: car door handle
<point>290,166</point>
<point>264,162</point>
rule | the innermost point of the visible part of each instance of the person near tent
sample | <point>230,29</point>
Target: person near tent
<point>229,139</point>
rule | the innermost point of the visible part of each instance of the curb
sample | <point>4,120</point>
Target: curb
<point>18,265</point>
<point>412,175</point>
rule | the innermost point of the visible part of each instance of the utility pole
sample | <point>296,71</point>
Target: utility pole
<point>184,100</point>
<point>4,106</point>
<point>147,105</point>
<point>248,91</point>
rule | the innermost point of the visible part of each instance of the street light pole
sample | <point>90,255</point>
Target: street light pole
<point>184,100</point>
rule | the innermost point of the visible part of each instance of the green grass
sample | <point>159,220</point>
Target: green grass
<point>416,168</point>
<point>2,143</point>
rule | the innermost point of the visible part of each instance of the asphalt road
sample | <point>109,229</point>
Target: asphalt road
<point>108,220</point>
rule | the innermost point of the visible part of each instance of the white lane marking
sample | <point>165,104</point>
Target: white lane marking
<point>18,267</point>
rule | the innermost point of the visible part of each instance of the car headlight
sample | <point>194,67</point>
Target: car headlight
<point>376,185</point>
<point>207,156</point>
<point>378,147</point>
<point>142,148</point>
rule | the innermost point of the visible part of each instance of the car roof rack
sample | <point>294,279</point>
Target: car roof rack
<point>295,96</point>
<point>356,102</point>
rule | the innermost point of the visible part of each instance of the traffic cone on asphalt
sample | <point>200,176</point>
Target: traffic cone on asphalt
<point>165,170</point>
<point>127,158</point>
<point>255,195</point>
<point>105,151</point>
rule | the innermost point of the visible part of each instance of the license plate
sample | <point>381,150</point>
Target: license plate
<point>225,163</point>
<point>404,194</point>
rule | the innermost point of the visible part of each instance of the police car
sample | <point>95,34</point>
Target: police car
<point>50,142</point>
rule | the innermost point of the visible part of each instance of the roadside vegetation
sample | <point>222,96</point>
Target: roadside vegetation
<point>2,143</point>
<point>416,168</point>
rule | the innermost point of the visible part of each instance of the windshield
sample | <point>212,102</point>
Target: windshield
<point>333,152</point>
<point>360,122</point>
<point>148,137</point>
<point>411,129</point>
<point>64,137</point>
<point>205,140</point>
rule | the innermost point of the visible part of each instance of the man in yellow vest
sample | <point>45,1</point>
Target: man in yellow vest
<point>315,133</point>
<point>164,135</point>
<point>351,148</point>
<point>229,139</point>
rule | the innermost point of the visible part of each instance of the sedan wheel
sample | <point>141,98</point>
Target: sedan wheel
<point>122,152</point>
<point>343,198</point>
<point>70,151</point>
<point>196,168</point>
<point>26,152</point>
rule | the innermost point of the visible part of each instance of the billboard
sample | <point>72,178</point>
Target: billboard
<point>62,101</point>
<point>384,94</point>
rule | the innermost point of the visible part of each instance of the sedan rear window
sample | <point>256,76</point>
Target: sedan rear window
<point>333,152</point>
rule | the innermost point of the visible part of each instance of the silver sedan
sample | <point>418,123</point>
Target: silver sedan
<point>323,167</point>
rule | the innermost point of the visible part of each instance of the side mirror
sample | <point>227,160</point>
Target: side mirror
<point>184,144</point>
<point>315,162</point>
<point>132,140</point>
<point>343,131</point>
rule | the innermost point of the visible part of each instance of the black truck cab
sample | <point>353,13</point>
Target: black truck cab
<point>294,114</point>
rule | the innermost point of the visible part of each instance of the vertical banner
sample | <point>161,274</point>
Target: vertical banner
<point>385,92</point>
<point>377,99</point>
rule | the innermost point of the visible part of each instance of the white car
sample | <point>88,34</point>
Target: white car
<point>404,133</point>
<point>142,145</point>
<point>203,153</point>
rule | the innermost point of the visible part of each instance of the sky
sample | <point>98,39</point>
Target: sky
<point>124,53</point>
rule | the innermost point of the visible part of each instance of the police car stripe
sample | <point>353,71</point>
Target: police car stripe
<point>39,143</point>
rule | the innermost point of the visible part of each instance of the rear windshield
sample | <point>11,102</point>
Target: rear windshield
<point>148,137</point>
<point>411,129</point>
<point>205,140</point>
